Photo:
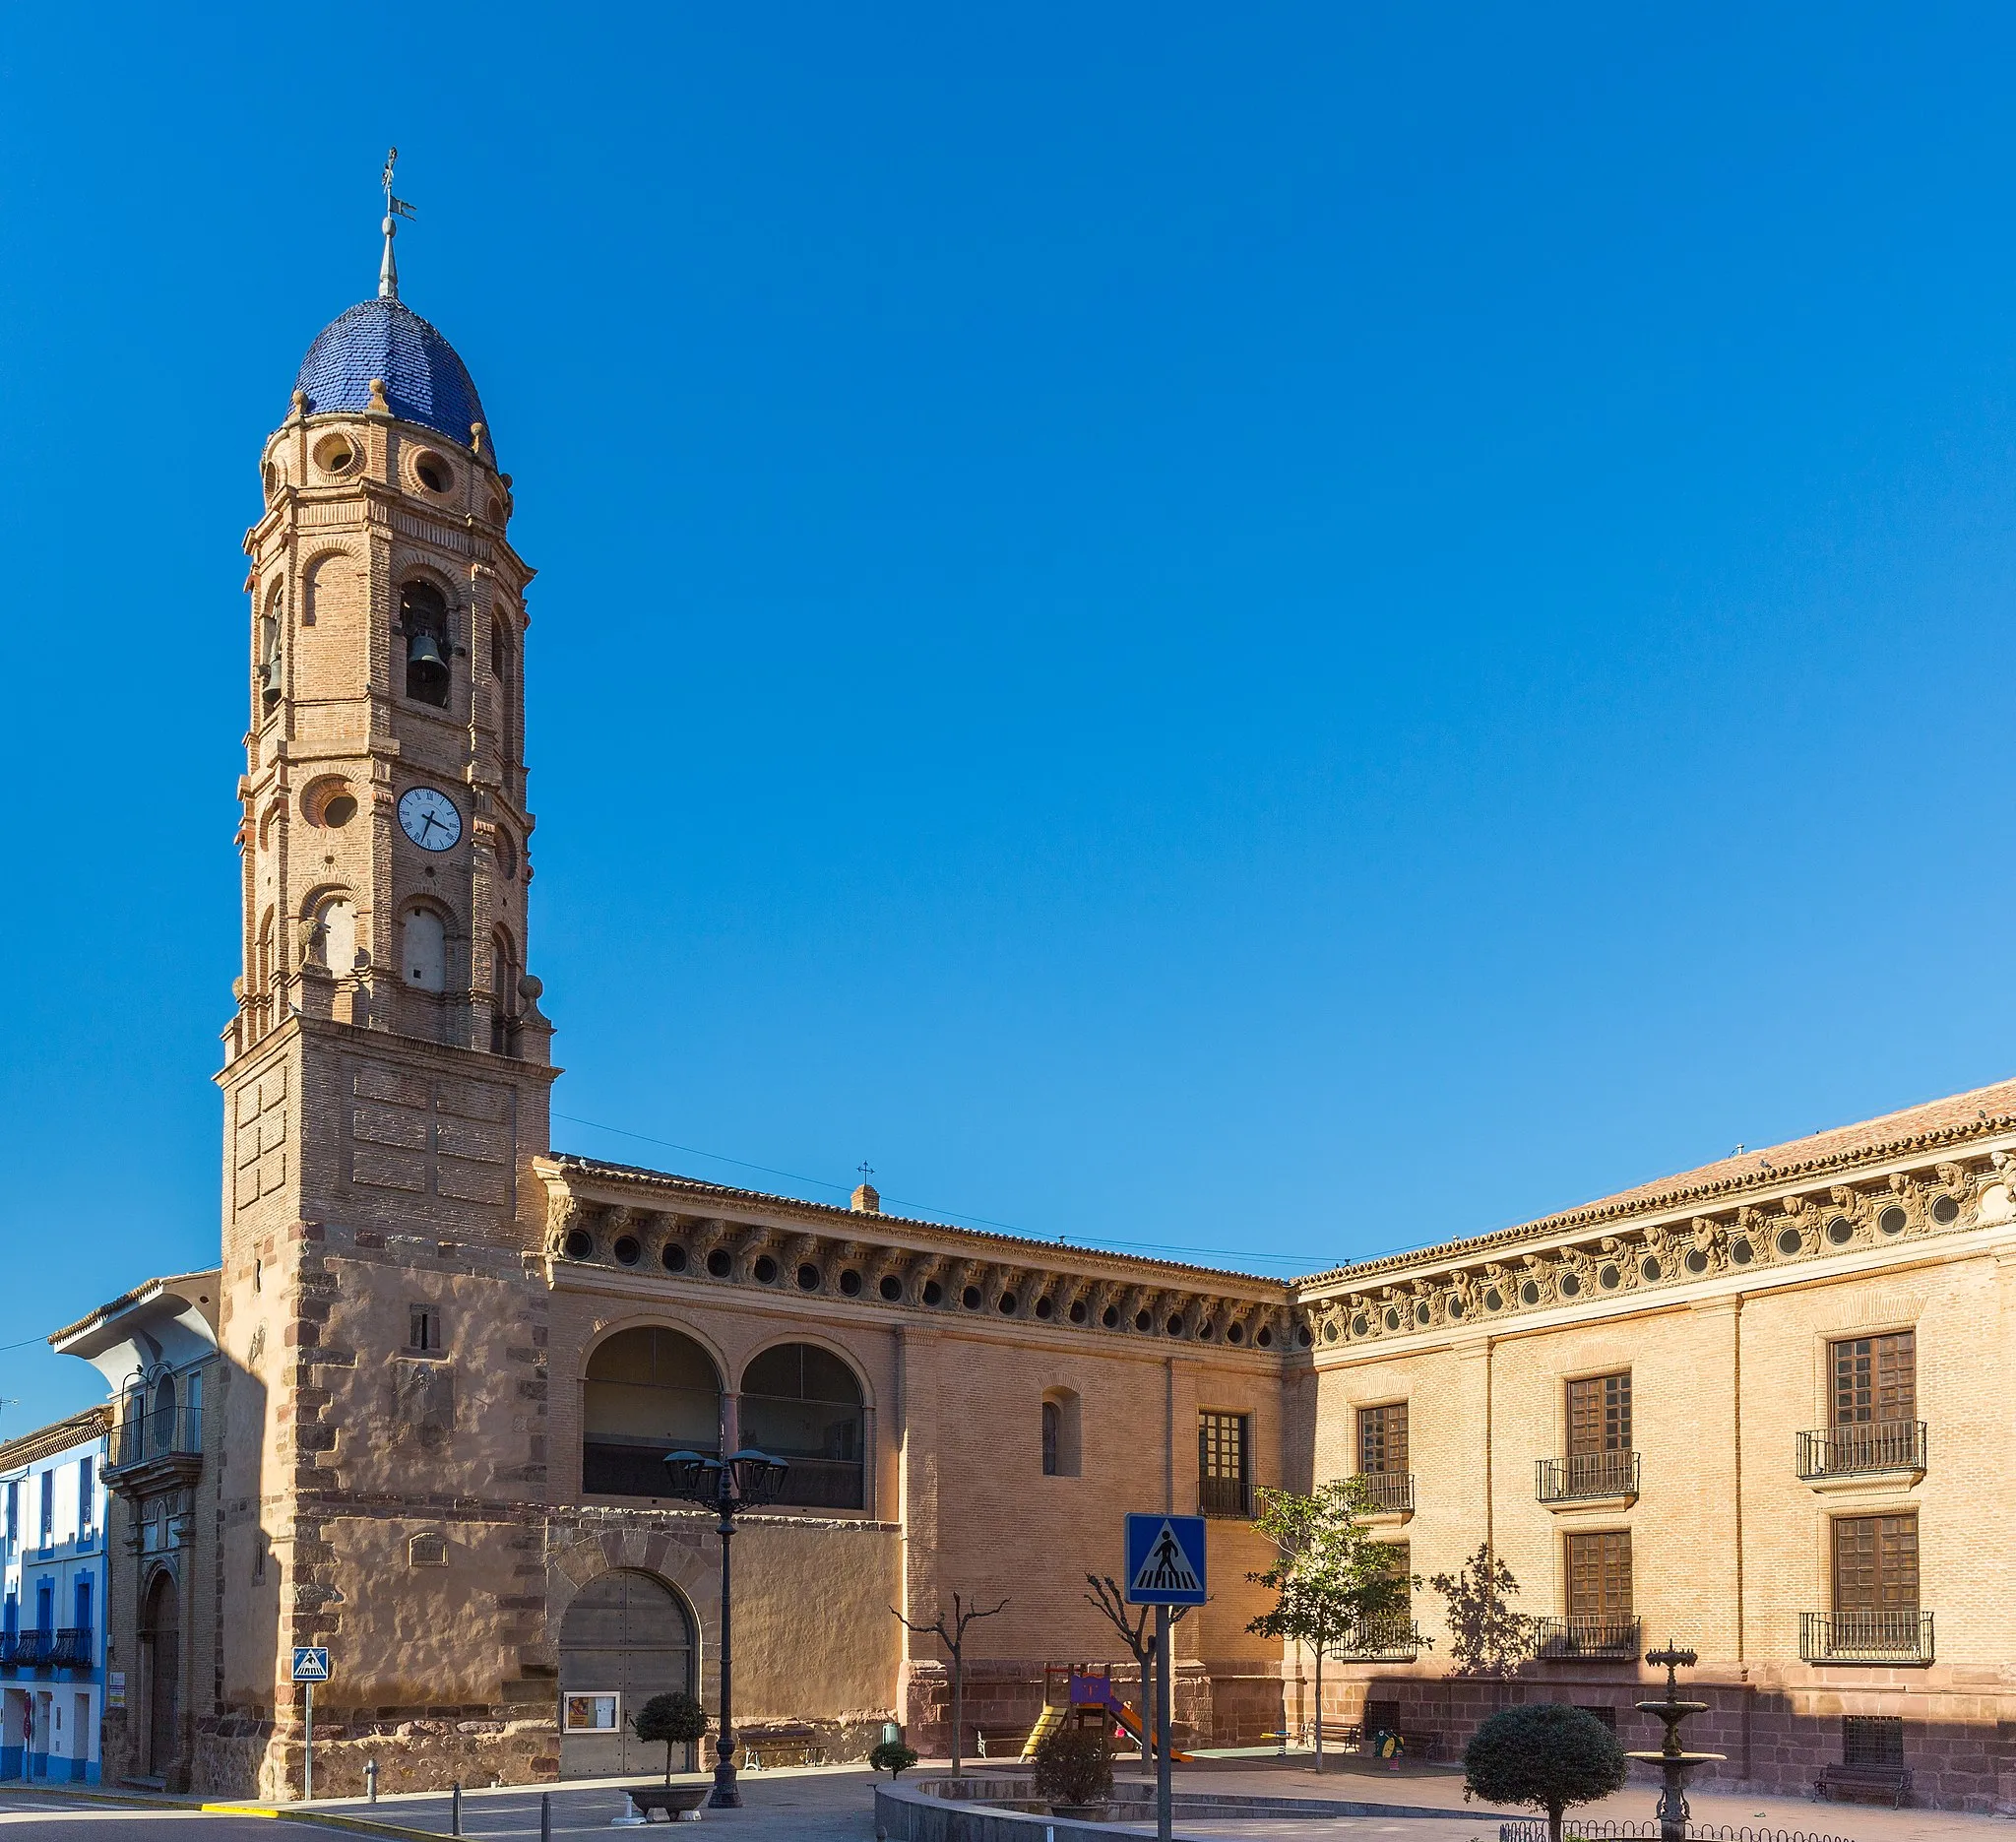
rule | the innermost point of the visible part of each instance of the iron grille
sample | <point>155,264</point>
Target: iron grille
<point>1866,1636</point>
<point>1588,1474</point>
<point>1558,1641</point>
<point>1868,1445</point>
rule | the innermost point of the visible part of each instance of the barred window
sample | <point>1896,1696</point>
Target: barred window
<point>1382,1439</point>
<point>1871,1739</point>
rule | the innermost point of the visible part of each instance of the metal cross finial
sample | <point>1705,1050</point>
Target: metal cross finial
<point>395,209</point>
<point>866,1169</point>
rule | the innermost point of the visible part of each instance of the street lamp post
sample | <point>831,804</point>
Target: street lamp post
<point>742,1480</point>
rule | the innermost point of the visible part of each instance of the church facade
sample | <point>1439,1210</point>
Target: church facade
<point>415,1413</point>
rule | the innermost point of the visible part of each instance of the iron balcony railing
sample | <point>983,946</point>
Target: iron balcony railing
<point>71,1648</point>
<point>1866,1636</point>
<point>1382,1637</point>
<point>1223,1496</point>
<point>1868,1445</point>
<point>1577,1636</point>
<point>154,1433</point>
<point>28,1649</point>
<point>1588,1474</point>
<point>1386,1491</point>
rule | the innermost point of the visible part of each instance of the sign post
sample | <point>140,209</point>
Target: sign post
<point>311,1666</point>
<point>1165,1568</point>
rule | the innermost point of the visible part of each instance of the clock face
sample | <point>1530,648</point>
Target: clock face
<point>429,818</point>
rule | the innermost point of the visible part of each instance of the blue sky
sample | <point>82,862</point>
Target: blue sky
<point>1272,631</point>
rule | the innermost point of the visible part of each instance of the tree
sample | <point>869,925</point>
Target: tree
<point>1328,1574</point>
<point>963,1613</point>
<point>1543,1754</point>
<point>1486,1637</point>
<point>670,1720</point>
<point>1136,1626</point>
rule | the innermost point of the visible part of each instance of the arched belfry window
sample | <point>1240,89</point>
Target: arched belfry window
<point>647,1392</point>
<point>270,684</point>
<point>503,995</point>
<point>802,1404</point>
<point>423,617</point>
<point>424,951</point>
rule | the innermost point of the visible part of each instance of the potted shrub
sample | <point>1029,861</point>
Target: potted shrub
<point>1074,1770</point>
<point>892,1756</point>
<point>669,1720</point>
<point>1543,1754</point>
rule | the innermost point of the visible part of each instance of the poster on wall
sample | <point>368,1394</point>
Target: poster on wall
<point>591,1713</point>
<point>115,1689</point>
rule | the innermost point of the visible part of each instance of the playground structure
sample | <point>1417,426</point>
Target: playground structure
<point>1085,1692</point>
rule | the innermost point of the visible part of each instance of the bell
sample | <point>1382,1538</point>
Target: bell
<point>424,650</point>
<point>426,672</point>
<point>269,682</point>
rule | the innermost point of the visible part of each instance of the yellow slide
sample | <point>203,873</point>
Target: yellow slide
<point>1047,1722</point>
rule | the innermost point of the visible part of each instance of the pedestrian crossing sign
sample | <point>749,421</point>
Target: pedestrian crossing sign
<point>1166,1560</point>
<point>311,1663</point>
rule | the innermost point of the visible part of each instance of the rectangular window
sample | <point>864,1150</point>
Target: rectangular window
<point>1599,1577</point>
<point>82,1605</point>
<point>1875,1567</point>
<point>86,1478</point>
<point>1872,1740</point>
<point>1399,1559</point>
<point>1382,1439</point>
<point>45,1605</point>
<point>423,1330</point>
<point>48,1485</point>
<point>10,1616</point>
<point>14,1510</point>
<point>1875,1378</point>
<point>1222,1479</point>
<point>1599,1415</point>
<point>1608,1715</point>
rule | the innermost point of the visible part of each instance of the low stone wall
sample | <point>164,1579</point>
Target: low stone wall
<point>411,1755</point>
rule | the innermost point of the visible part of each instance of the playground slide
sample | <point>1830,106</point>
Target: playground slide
<point>1047,1722</point>
<point>1130,1722</point>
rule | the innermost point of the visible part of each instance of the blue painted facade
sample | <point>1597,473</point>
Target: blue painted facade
<point>424,381</point>
<point>52,1601</point>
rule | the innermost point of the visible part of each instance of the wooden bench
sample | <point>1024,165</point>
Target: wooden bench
<point>1348,1733</point>
<point>999,1742</point>
<point>681,1802</point>
<point>1890,1781</point>
<point>774,1747</point>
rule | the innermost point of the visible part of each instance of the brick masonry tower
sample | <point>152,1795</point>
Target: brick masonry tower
<point>383,1378</point>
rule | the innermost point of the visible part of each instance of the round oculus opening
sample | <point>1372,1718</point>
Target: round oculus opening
<point>1006,1305</point>
<point>718,1263</point>
<point>338,810</point>
<point>1494,1300</point>
<point>971,1298</point>
<point>1649,1268</point>
<point>1392,1318</point>
<point>1142,1320</point>
<point>1608,1278</point>
<point>891,1288</point>
<point>1455,1309</point>
<point>765,1269</point>
<point>1358,1325</point>
<point>1529,1294</point>
<point>1077,1313</point>
<point>934,1293</point>
<point>808,1276</point>
<point>1696,1262</point>
<point>1176,1325</point>
<point>1205,1331</point>
<point>851,1284</point>
<point>1739,1251</point>
<point>1421,1314</point>
<point>1891,1221</point>
<point>1946,1211</point>
<point>628,1250</point>
<point>673,1259</point>
<point>433,472</point>
<point>579,1243</point>
<point>1236,1333</point>
<point>336,453</point>
<point>1110,1316</point>
<point>1840,1230</point>
<point>1045,1309</point>
<point>1571,1285</point>
<point>1788,1242</point>
<point>1330,1333</point>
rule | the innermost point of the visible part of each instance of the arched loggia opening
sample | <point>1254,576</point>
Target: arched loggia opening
<point>646,1392</point>
<point>802,1404</point>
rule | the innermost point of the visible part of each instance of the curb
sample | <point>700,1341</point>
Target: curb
<point>326,1820</point>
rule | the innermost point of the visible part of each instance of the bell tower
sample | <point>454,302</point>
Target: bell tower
<point>382,1328</point>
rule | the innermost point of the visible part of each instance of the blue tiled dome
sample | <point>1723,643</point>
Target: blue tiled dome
<point>424,381</point>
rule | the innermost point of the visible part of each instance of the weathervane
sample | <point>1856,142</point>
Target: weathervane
<point>395,209</point>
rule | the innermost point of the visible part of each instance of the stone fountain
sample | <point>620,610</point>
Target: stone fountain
<point>1671,1757</point>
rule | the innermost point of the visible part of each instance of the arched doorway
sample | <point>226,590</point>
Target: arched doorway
<point>629,1636</point>
<point>160,1670</point>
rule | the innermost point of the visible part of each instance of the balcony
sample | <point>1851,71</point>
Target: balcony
<point>1387,1496</point>
<point>157,1445</point>
<point>1588,1478</point>
<point>71,1648</point>
<point>1879,1448</point>
<point>1225,1496</point>
<point>1866,1636</point>
<point>1380,1638</point>
<point>27,1650</point>
<point>1579,1638</point>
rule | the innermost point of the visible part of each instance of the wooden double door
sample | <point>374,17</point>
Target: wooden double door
<point>629,1636</point>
